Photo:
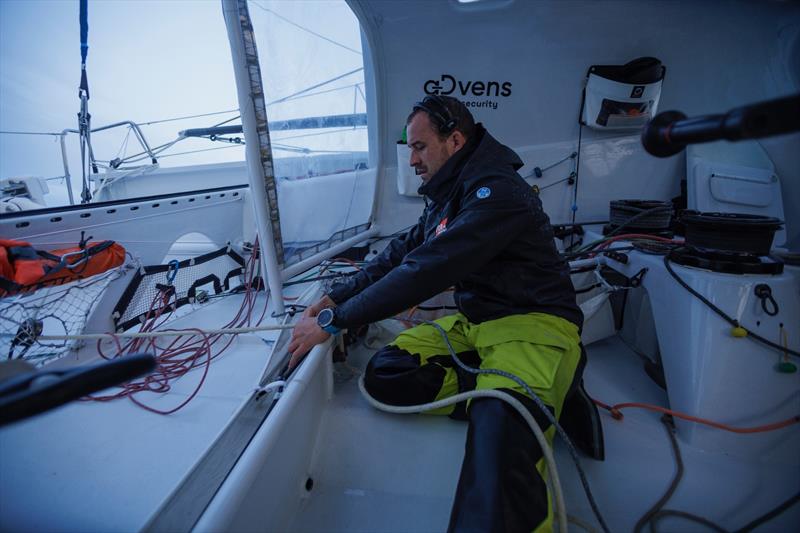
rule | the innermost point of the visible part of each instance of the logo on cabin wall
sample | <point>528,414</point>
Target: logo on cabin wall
<point>637,91</point>
<point>441,227</point>
<point>465,90</point>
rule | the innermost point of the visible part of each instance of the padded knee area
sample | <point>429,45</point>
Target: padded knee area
<point>394,376</point>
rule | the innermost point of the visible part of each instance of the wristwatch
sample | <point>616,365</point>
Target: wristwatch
<point>325,320</point>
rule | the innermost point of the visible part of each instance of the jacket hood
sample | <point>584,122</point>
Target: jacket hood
<point>482,156</point>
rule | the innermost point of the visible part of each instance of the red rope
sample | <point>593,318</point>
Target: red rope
<point>616,412</point>
<point>183,353</point>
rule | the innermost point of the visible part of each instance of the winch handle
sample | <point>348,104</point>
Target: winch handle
<point>31,393</point>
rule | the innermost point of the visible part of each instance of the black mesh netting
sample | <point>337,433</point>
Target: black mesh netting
<point>208,274</point>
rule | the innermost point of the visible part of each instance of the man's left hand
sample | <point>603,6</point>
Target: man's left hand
<point>305,336</point>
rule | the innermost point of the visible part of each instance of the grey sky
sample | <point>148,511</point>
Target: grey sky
<point>152,60</point>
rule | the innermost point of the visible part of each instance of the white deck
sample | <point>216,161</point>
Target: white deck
<point>92,466</point>
<point>108,467</point>
<point>383,472</point>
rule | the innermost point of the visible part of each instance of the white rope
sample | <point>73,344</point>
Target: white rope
<point>164,333</point>
<point>547,452</point>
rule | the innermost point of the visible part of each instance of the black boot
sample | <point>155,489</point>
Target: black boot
<point>580,420</point>
<point>499,488</point>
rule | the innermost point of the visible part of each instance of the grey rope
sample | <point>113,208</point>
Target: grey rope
<point>540,404</point>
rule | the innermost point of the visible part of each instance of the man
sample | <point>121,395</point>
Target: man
<point>484,232</point>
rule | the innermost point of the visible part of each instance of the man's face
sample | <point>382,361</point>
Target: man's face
<point>428,151</point>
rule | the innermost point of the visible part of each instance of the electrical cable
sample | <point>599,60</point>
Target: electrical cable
<point>588,288</point>
<point>539,171</point>
<point>639,216</point>
<point>547,452</point>
<point>648,515</point>
<point>540,404</point>
<point>732,321</point>
<point>581,524</point>
<point>688,516</point>
<point>577,176</point>
<point>766,517</point>
<point>562,180</point>
<point>657,512</point>
<point>611,237</point>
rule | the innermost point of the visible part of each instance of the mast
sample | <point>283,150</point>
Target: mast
<point>84,118</point>
<point>258,149</point>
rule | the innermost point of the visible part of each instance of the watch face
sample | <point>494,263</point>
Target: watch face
<point>325,318</point>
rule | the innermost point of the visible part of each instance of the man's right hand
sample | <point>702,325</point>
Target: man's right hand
<point>323,303</point>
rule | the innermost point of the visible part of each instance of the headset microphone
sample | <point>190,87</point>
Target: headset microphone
<point>437,109</point>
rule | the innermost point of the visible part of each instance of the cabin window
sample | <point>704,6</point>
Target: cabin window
<point>312,58</point>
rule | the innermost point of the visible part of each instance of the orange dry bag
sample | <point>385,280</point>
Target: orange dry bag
<point>24,268</point>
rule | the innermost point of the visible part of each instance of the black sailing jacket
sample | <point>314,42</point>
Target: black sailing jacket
<point>484,232</point>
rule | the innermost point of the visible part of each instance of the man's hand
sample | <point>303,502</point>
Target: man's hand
<point>305,336</point>
<point>313,310</point>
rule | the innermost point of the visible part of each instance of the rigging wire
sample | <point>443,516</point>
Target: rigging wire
<point>301,94</point>
<point>141,156</point>
<point>326,91</point>
<point>123,149</point>
<point>312,32</point>
<point>228,120</point>
<point>174,119</point>
<point>332,132</point>
<point>202,150</point>
<point>315,86</point>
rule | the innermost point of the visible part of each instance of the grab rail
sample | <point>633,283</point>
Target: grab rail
<point>136,131</point>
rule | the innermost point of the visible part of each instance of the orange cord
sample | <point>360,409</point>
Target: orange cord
<point>615,411</point>
<point>406,321</point>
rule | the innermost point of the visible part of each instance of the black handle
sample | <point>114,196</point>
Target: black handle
<point>669,132</point>
<point>32,393</point>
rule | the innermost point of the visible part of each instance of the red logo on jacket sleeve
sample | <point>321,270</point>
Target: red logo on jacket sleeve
<point>441,227</point>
